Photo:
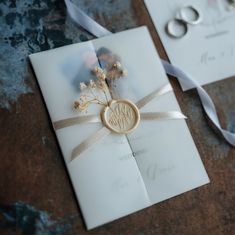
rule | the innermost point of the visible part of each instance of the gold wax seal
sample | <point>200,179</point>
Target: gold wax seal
<point>121,116</point>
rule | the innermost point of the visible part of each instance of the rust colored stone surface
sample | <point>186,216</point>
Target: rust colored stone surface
<point>36,196</point>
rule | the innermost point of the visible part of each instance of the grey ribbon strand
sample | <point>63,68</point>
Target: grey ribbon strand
<point>206,101</point>
<point>85,21</point>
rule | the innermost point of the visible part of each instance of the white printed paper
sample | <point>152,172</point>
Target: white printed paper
<point>207,51</point>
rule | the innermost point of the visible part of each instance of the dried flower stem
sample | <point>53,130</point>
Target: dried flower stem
<point>114,73</point>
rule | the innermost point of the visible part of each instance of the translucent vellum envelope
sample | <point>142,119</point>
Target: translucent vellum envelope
<point>119,174</point>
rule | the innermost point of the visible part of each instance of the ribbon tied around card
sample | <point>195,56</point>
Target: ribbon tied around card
<point>119,117</point>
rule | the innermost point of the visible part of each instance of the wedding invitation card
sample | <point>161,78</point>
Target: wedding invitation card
<point>124,172</point>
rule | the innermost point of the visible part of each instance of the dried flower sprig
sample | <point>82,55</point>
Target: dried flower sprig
<point>116,72</point>
<point>91,88</point>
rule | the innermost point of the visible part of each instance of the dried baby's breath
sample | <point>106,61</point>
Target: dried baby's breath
<point>102,85</point>
<point>117,65</point>
<point>92,84</point>
<point>81,106</point>
<point>99,73</point>
<point>116,72</point>
<point>123,73</point>
<point>83,86</point>
<point>83,98</point>
<point>99,86</point>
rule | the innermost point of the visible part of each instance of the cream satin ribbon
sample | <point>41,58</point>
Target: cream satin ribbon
<point>165,89</point>
<point>162,115</point>
<point>75,121</point>
<point>104,131</point>
<point>97,136</point>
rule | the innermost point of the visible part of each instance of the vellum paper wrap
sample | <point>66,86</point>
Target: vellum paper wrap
<point>120,174</point>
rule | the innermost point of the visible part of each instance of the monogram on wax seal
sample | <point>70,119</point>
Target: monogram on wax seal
<point>121,116</point>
